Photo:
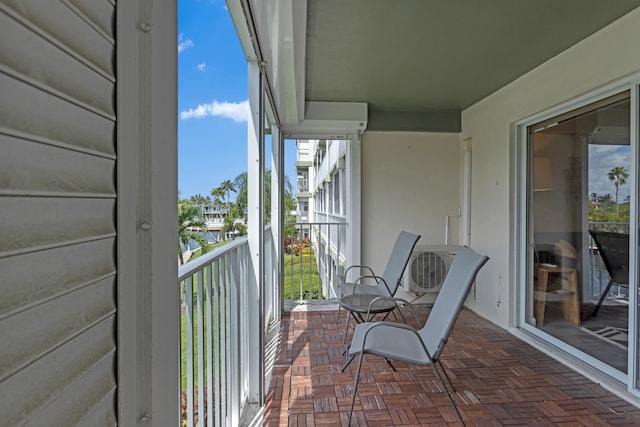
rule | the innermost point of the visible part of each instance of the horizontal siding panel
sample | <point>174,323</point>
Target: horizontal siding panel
<point>102,414</point>
<point>58,243</point>
<point>100,13</point>
<point>35,222</point>
<point>42,61</point>
<point>43,382</point>
<point>22,168</point>
<point>31,278</point>
<point>60,23</point>
<point>28,109</point>
<point>80,399</point>
<point>48,325</point>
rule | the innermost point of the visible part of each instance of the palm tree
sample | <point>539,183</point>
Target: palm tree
<point>227,186</point>
<point>240,184</point>
<point>619,177</point>
<point>199,199</point>
<point>218,195</point>
<point>190,220</point>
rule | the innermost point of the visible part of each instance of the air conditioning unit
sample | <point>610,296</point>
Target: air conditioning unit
<point>428,266</point>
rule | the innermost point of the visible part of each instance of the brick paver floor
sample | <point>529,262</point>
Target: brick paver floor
<point>499,380</point>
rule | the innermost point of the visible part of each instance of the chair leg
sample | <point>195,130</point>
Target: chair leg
<point>355,388</point>
<point>446,375</point>
<point>453,403</point>
<point>602,297</point>
<point>346,327</point>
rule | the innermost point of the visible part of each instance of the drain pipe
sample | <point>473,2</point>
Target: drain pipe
<point>466,199</point>
<point>466,193</point>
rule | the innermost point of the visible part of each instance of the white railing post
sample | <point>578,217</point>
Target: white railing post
<point>235,333</point>
<point>188,304</point>
<point>210,326</point>
<point>201,388</point>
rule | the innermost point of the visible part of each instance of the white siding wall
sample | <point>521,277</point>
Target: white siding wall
<point>410,181</point>
<point>57,213</point>
<point>604,57</point>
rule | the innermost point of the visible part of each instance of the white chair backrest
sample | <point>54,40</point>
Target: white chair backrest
<point>450,299</point>
<point>398,260</point>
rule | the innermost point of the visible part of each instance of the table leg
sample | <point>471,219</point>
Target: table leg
<point>570,304</point>
<point>541,301</point>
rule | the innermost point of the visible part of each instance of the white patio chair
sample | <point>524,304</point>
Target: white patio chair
<point>387,284</point>
<point>401,342</point>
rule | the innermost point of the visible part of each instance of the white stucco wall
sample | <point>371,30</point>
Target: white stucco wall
<point>410,181</point>
<point>603,58</point>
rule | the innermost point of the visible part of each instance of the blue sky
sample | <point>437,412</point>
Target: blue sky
<point>212,99</point>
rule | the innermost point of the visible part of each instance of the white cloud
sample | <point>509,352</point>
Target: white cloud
<point>184,44</point>
<point>201,67</point>
<point>602,158</point>
<point>236,111</point>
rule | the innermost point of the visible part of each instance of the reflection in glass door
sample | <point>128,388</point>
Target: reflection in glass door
<point>578,229</point>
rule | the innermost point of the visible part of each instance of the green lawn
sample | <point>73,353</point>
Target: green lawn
<point>301,270</point>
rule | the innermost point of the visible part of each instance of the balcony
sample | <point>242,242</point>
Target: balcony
<point>303,185</point>
<point>499,378</point>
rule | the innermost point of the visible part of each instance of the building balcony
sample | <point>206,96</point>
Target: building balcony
<point>303,185</point>
<point>499,378</point>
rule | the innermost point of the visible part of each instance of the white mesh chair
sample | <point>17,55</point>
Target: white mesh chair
<point>387,284</point>
<point>399,341</point>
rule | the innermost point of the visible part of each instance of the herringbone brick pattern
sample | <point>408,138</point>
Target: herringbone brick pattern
<point>499,380</point>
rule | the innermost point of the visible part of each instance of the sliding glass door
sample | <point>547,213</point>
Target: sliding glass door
<point>578,210</point>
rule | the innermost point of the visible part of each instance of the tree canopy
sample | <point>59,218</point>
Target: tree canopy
<point>191,224</point>
<point>619,177</point>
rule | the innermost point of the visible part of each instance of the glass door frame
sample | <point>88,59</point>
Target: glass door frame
<point>521,195</point>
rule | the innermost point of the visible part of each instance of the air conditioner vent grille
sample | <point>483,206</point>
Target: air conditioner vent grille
<point>428,267</point>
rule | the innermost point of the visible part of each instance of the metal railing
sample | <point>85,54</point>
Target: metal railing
<point>303,185</point>
<point>216,291</point>
<point>614,227</point>
<point>314,259</point>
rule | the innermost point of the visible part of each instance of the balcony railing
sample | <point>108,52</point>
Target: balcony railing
<point>614,227</point>
<point>314,259</point>
<point>303,185</point>
<point>216,291</point>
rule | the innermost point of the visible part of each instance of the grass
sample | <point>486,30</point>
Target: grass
<point>183,350</point>
<point>301,271</point>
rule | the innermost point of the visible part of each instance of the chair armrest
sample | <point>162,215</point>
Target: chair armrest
<point>377,278</point>
<point>357,266</point>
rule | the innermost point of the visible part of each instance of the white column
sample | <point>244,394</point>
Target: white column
<point>255,226</point>
<point>277,210</point>
<point>353,200</point>
<point>148,294</point>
